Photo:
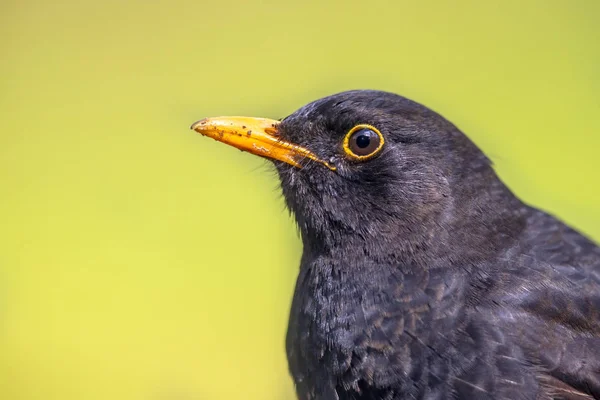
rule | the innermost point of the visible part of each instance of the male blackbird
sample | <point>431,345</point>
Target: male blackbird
<point>422,275</point>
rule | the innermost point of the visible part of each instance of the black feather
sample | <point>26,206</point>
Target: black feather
<point>423,276</point>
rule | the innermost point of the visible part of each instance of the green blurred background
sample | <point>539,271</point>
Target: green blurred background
<point>139,260</point>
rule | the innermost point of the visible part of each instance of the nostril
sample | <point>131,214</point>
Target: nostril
<point>272,130</point>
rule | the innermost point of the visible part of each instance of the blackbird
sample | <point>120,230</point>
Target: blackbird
<point>422,276</point>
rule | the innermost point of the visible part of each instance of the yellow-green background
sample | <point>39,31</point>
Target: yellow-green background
<point>139,260</point>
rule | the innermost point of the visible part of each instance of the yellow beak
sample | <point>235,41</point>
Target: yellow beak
<point>258,136</point>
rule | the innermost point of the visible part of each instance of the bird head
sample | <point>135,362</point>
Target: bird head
<point>369,170</point>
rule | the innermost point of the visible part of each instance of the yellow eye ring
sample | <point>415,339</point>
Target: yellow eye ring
<point>363,142</point>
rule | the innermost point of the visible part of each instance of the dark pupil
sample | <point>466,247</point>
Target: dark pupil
<point>363,140</point>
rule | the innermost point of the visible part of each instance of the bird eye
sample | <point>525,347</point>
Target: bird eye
<point>363,142</point>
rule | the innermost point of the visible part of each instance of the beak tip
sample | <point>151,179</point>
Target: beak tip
<point>196,124</point>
